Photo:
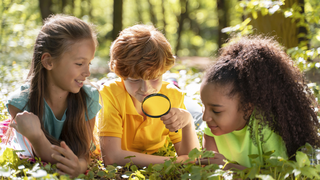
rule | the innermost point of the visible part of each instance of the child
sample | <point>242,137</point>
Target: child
<point>139,56</point>
<point>54,112</point>
<point>255,100</point>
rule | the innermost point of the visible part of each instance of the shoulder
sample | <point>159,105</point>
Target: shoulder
<point>171,90</point>
<point>112,88</point>
<point>90,90</point>
<point>175,95</point>
<point>19,97</point>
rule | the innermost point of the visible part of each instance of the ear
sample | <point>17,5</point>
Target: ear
<point>46,61</point>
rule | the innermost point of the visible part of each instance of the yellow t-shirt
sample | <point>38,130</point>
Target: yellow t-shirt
<point>120,119</point>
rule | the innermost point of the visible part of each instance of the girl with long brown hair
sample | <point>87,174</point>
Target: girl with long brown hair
<point>53,114</point>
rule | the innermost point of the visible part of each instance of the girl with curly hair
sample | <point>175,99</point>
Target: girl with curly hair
<point>255,100</point>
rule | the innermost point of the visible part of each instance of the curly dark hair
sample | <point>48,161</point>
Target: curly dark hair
<point>264,76</point>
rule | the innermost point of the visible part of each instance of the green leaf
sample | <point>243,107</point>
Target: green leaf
<point>302,159</point>
<point>157,167</point>
<point>253,156</point>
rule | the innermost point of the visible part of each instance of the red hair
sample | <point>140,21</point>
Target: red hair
<point>140,51</point>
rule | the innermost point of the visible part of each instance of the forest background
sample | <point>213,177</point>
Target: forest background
<point>196,29</point>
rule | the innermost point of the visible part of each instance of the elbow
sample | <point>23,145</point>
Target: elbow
<point>109,158</point>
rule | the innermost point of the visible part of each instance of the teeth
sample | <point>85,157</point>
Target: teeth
<point>79,81</point>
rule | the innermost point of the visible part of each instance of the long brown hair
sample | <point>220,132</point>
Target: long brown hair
<point>264,76</point>
<point>56,35</point>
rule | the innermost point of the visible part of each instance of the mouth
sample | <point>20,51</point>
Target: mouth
<point>79,81</point>
<point>213,127</point>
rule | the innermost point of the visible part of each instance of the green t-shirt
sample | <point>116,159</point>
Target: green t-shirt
<point>237,145</point>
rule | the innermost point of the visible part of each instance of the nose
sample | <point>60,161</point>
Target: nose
<point>205,115</point>
<point>145,86</point>
<point>86,72</point>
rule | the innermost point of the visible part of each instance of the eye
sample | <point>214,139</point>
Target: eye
<point>134,80</point>
<point>156,79</point>
<point>215,112</point>
<point>78,64</point>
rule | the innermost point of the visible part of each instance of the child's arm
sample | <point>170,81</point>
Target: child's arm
<point>209,143</point>
<point>179,118</point>
<point>69,163</point>
<point>112,153</point>
<point>29,126</point>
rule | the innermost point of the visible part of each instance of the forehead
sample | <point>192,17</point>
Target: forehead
<point>217,94</point>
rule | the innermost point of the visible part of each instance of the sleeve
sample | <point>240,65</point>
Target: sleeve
<point>273,141</point>
<point>109,119</point>
<point>93,105</point>
<point>18,98</point>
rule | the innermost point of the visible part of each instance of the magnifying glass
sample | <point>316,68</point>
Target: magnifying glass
<point>156,105</point>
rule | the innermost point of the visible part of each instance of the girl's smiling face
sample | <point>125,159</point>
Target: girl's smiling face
<point>220,111</point>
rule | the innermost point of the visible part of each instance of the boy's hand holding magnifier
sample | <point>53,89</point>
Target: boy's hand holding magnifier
<point>159,106</point>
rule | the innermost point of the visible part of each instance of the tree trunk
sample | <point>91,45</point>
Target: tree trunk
<point>139,11</point>
<point>223,13</point>
<point>163,19</point>
<point>182,17</point>
<point>152,15</point>
<point>45,8</point>
<point>284,29</point>
<point>117,18</point>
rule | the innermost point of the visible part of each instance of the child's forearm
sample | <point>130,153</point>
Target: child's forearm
<point>189,140</point>
<point>83,165</point>
<point>42,147</point>
<point>118,157</point>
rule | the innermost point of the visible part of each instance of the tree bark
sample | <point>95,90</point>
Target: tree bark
<point>284,29</point>
<point>182,17</point>
<point>139,11</point>
<point>223,19</point>
<point>117,18</point>
<point>45,8</point>
<point>152,15</point>
<point>163,18</point>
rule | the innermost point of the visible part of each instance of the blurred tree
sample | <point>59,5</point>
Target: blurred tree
<point>224,21</point>
<point>163,17</point>
<point>152,15</point>
<point>117,18</point>
<point>274,23</point>
<point>45,8</point>
<point>183,15</point>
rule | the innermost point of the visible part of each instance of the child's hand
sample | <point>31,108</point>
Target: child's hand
<point>69,162</point>
<point>27,124</point>
<point>176,119</point>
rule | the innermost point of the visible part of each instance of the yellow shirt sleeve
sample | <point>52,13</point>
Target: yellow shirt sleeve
<point>109,119</point>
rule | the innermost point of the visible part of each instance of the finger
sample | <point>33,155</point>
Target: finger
<point>65,169</point>
<point>13,125</point>
<point>64,151</point>
<point>61,159</point>
<point>60,172</point>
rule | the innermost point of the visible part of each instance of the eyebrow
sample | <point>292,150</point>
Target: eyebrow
<point>80,58</point>
<point>215,105</point>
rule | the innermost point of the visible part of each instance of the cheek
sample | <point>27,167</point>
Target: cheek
<point>156,85</point>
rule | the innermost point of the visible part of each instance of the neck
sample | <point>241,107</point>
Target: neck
<point>57,100</point>
<point>137,105</point>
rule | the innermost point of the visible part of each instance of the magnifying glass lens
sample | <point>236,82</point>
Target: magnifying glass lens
<point>156,106</point>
